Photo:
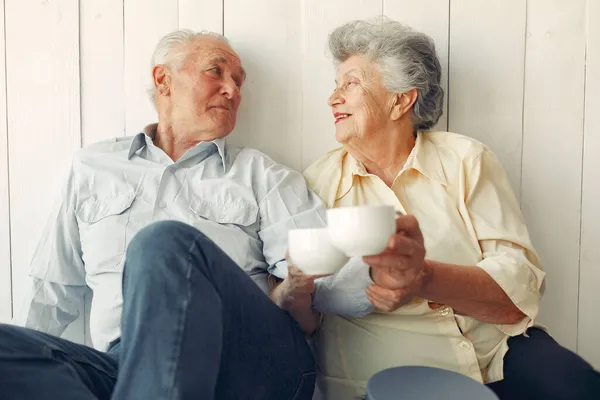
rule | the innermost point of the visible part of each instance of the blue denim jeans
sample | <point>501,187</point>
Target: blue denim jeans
<point>194,326</point>
<point>537,367</point>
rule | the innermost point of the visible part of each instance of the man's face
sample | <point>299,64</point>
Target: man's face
<point>205,90</point>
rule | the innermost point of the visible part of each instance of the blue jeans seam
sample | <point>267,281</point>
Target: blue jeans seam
<point>183,315</point>
<point>301,384</point>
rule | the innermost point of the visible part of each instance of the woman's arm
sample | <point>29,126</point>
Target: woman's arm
<point>470,291</point>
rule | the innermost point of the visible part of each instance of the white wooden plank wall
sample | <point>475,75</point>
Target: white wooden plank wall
<point>318,77</point>
<point>589,272</point>
<point>271,110</point>
<point>5,269</point>
<point>145,22</point>
<point>205,15</point>
<point>42,68</point>
<point>102,83</point>
<point>486,76</point>
<point>552,148</point>
<point>523,76</point>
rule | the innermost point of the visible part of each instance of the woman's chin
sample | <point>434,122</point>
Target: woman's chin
<point>343,137</point>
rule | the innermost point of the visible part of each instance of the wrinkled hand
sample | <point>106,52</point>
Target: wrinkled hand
<point>398,271</point>
<point>297,288</point>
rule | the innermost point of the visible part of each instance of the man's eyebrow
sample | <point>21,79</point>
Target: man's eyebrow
<point>219,59</point>
<point>223,60</point>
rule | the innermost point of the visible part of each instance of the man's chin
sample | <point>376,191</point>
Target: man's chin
<point>223,128</point>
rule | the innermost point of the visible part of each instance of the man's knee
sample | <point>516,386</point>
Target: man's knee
<point>163,246</point>
<point>18,340</point>
<point>160,236</point>
<point>8,335</point>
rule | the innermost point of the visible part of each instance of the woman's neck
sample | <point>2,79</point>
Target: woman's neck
<point>385,154</point>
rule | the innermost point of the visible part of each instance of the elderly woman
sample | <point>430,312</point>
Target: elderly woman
<point>458,290</point>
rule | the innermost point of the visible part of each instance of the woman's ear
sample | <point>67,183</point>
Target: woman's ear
<point>403,102</point>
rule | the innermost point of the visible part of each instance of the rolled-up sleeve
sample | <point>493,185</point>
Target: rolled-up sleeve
<point>56,292</point>
<point>344,293</point>
<point>507,253</point>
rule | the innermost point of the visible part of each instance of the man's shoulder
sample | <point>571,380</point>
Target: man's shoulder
<point>113,146</point>
<point>263,173</point>
<point>256,159</point>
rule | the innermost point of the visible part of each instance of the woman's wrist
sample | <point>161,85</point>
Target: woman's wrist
<point>427,278</point>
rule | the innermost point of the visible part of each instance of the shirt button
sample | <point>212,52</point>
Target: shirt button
<point>444,311</point>
<point>465,345</point>
<point>162,204</point>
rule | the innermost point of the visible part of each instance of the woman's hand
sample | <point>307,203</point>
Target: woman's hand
<point>398,272</point>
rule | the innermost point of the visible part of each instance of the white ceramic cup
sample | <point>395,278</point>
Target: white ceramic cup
<point>361,230</point>
<point>312,252</point>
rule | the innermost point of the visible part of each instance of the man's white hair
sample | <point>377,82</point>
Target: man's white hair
<point>172,52</point>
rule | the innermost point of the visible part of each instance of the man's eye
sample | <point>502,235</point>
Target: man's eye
<point>216,70</point>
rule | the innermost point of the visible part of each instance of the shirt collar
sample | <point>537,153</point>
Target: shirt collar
<point>146,137</point>
<point>424,158</point>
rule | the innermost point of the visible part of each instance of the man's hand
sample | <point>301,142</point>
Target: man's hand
<point>398,272</point>
<point>294,294</point>
<point>296,289</point>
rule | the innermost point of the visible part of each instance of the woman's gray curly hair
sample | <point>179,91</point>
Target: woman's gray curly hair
<point>406,58</point>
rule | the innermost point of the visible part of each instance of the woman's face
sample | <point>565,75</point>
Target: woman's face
<point>360,103</point>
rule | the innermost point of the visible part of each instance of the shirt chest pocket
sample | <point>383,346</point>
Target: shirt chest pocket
<point>230,205</point>
<point>232,225</point>
<point>103,231</point>
<point>224,212</point>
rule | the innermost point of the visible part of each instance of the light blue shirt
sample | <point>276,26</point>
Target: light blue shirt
<point>240,198</point>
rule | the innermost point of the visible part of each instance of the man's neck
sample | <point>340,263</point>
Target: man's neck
<point>173,144</point>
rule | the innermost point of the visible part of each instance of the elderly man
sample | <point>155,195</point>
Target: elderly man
<point>173,315</point>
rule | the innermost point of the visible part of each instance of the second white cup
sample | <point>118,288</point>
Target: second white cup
<point>361,230</point>
<point>312,252</point>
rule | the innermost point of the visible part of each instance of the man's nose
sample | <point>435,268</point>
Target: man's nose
<point>229,88</point>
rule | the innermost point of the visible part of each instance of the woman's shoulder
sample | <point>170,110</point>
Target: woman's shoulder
<point>326,165</point>
<point>324,175</point>
<point>460,146</point>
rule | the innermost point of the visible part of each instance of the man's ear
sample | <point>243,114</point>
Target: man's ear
<point>162,79</point>
<point>403,103</point>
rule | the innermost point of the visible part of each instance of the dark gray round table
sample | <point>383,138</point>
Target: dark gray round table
<point>423,383</point>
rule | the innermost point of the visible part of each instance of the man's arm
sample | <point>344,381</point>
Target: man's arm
<point>344,293</point>
<point>290,204</point>
<point>57,270</point>
<point>51,307</point>
<point>295,296</point>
